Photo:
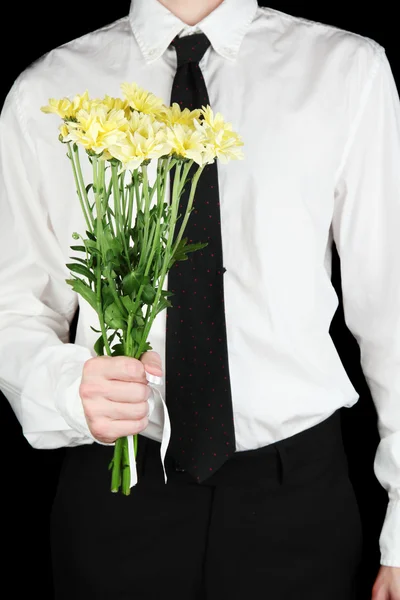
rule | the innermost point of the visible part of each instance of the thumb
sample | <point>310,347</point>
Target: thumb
<point>152,363</point>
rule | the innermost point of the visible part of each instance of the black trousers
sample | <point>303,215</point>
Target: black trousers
<point>281,523</point>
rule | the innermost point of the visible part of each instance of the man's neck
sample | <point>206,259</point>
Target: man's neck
<point>191,12</point>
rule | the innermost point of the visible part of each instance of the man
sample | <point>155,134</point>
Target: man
<point>276,516</point>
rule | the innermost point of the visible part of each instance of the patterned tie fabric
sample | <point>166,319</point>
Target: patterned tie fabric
<point>197,373</point>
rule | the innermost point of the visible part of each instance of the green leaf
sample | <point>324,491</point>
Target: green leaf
<point>107,297</point>
<point>81,287</point>
<point>91,236</point>
<point>99,346</point>
<point>91,247</point>
<point>148,294</point>
<point>81,270</point>
<point>88,187</point>
<point>139,321</point>
<point>128,303</point>
<point>194,247</point>
<point>113,317</point>
<point>147,347</point>
<point>118,350</point>
<point>83,261</point>
<point>78,248</point>
<point>137,334</point>
<point>95,330</point>
<point>109,255</point>
<point>131,283</point>
<point>164,303</point>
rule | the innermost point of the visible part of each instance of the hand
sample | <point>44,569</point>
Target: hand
<point>115,393</point>
<point>387,584</point>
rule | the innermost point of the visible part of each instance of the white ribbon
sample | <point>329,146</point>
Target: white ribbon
<point>153,381</point>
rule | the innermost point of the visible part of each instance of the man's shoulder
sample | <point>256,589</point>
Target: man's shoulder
<point>75,58</point>
<point>323,39</point>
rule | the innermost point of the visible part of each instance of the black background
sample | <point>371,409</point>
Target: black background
<point>29,476</point>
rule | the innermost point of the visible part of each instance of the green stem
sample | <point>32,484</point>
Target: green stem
<point>108,207</point>
<point>126,473</point>
<point>128,340</point>
<point>185,173</point>
<point>116,465</point>
<point>82,184</point>
<point>119,219</point>
<point>167,256</point>
<point>131,193</point>
<point>78,189</point>
<point>137,191</point>
<point>145,188</point>
<point>195,180</point>
<point>114,292</point>
<point>99,244</point>
<point>122,193</point>
<point>160,205</point>
<point>119,444</point>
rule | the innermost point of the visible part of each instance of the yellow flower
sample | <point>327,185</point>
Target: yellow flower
<point>141,100</point>
<point>215,122</point>
<point>66,108</point>
<point>141,123</point>
<point>189,143</point>
<point>174,115</point>
<point>145,140</point>
<point>98,128</point>
<point>64,132</point>
<point>221,141</point>
<point>224,145</point>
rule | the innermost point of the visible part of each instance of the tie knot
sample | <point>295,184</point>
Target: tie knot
<point>190,48</point>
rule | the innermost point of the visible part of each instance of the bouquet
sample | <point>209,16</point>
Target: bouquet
<point>134,232</point>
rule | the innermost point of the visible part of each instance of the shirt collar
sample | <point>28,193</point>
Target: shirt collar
<point>154,26</point>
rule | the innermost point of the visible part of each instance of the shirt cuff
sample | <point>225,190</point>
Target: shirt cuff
<point>390,535</point>
<point>69,402</point>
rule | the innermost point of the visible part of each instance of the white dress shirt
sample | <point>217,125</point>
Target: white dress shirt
<point>319,114</point>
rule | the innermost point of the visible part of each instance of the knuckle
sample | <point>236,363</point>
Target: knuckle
<point>89,411</point>
<point>85,390</point>
<point>91,365</point>
<point>99,430</point>
<point>133,367</point>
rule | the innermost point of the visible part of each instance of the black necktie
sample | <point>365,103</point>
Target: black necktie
<point>197,374</point>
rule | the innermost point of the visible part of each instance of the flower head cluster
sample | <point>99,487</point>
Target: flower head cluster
<point>139,128</point>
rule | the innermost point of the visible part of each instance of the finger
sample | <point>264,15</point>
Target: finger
<point>121,368</point>
<point>115,391</point>
<point>100,409</point>
<point>152,363</point>
<point>121,411</point>
<point>108,431</point>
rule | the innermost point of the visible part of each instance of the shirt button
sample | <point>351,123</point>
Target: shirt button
<point>152,52</point>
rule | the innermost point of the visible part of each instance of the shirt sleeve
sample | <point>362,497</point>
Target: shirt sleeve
<point>366,230</point>
<point>40,370</point>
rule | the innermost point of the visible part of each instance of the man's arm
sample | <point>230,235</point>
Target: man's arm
<point>366,229</point>
<point>39,370</point>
